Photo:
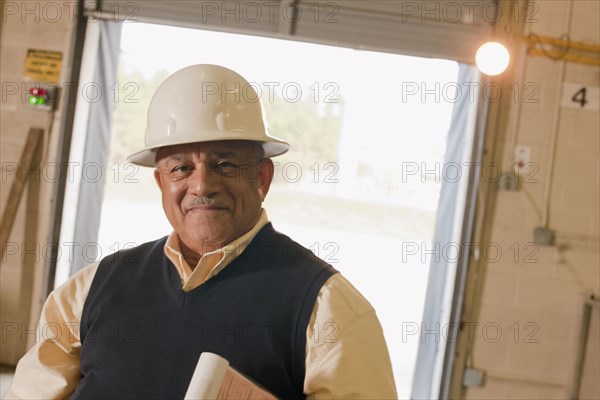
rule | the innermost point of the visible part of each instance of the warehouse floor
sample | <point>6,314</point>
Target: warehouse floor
<point>6,374</point>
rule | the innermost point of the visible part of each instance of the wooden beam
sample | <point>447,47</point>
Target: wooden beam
<point>17,187</point>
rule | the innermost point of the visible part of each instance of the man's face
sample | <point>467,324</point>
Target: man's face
<point>212,192</point>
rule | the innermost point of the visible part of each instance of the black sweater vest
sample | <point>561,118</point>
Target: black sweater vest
<point>141,335</point>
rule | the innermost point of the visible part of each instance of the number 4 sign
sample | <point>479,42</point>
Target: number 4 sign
<point>580,97</point>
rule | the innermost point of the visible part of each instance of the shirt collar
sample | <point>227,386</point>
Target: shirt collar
<point>213,262</point>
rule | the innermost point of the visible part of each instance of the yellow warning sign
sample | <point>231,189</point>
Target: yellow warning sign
<point>42,65</point>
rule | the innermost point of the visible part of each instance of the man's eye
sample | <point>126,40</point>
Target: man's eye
<point>182,169</point>
<point>225,165</point>
<point>225,168</point>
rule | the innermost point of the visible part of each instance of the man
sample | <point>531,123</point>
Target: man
<point>224,281</point>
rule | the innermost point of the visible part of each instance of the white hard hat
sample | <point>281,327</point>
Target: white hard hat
<point>204,103</point>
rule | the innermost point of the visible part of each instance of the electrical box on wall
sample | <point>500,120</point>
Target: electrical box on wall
<point>522,156</point>
<point>509,180</point>
<point>43,98</point>
<point>543,236</point>
<point>42,74</point>
<point>474,377</point>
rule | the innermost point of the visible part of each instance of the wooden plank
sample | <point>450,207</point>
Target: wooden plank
<point>17,187</point>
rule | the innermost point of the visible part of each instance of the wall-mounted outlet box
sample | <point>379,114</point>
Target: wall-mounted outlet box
<point>522,156</point>
<point>509,180</point>
<point>543,236</point>
<point>473,377</point>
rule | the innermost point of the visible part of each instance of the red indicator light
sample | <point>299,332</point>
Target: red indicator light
<point>37,91</point>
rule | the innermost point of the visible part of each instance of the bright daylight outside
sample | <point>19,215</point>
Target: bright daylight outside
<point>343,190</point>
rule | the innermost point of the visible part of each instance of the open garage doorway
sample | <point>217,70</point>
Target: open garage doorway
<point>381,143</point>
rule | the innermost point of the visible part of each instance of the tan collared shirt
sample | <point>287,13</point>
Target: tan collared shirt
<point>346,354</point>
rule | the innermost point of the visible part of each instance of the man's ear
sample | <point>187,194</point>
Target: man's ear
<point>266,170</point>
<point>157,179</point>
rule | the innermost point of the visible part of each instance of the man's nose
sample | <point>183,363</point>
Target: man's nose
<point>203,181</point>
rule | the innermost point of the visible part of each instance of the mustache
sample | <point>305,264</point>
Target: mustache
<point>204,201</point>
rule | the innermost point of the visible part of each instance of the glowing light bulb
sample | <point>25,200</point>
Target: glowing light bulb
<point>492,58</point>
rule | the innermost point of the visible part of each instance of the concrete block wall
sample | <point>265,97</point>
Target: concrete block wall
<point>533,293</point>
<point>44,25</point>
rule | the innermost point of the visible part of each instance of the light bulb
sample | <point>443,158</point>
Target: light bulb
<point>492,58</point>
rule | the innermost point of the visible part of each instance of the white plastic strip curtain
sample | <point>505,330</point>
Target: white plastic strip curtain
<point>441,314</point>
<point>439,29</point>
<point>446,29</point>
<point>96,150</point>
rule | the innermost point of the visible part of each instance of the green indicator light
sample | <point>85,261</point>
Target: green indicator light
<point>36,100</point>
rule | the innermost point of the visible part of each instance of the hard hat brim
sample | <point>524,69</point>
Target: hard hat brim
<point>147,156</point>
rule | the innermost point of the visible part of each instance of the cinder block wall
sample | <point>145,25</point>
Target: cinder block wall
<point>535,294</point>
<point>44,25</point>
